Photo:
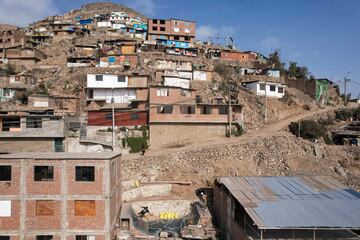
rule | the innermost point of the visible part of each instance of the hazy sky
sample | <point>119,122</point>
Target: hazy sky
<point>323,35</point>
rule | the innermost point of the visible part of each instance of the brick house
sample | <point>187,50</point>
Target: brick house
<point>177,115</point>
<point>68,196</point>
<point>172,29</point>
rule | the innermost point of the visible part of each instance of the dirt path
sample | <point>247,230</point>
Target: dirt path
<point>270,129</point>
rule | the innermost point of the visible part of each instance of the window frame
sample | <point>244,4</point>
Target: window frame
<point>50,175</point>
<point>121,77</point>
<point>44,237</point>
<point>33,122</point>
<point>82,177</point>
<point>2,178</point>
<point>274,87</point>
<point>262,87</point>
<point>280,90</point>
<point>98,76</point>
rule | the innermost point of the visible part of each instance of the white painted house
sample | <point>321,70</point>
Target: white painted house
<point>104,87</point>
<point>275,90</point>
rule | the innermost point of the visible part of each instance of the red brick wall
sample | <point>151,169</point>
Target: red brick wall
<point>237,56</point>
<point>86,188</point>
<point>13,222</point>
<point>96,222</point>
<point>99,118</point>
<point>13,187</point>
<point>44,187</point>
<point>34,222</point>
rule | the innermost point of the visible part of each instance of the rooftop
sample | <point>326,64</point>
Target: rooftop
<point>296,202</point>
<point>60,156</point>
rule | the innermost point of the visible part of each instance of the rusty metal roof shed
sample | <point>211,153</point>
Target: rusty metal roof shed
<point>296,202</point>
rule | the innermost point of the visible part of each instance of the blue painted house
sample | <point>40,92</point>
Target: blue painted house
<point>172,43</point>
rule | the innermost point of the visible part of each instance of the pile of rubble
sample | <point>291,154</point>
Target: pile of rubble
<point>283,154</point>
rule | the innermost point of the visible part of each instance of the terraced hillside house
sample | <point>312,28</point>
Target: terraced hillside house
<point>177,115</point>
<point>172,29</point>
<point>57,196</point>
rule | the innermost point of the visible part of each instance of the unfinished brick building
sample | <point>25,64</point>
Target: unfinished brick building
<point>59,196</point>
<point>172,29</point>
<point>11,35</point>
<point>177,115</point>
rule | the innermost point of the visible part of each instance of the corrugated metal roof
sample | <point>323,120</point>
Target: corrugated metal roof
<point>296,201</point>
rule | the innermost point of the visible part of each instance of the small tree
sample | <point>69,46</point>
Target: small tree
<point>308,129</point>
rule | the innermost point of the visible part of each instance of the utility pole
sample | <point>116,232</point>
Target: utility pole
<point>230,111</point>
<point>346,80</point>
<point>113,119</point>
<point>266,103</point>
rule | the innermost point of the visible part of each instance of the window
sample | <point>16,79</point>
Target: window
<point>43,173</point>
<point>5,173</point>
<point>272,88</point>
<point>223,110</point>
<point>186,30</point>
<point>44,237</point>
<point>4,237</point>
<point>85,208</point>
<point>154,21</point>
<point>33,122</point>
<point>162,29</point>
<point>176,23</point>
<point>162,92</point>
<point>5,208</point>
<point>262,87</point>
<point>187,109</point>
<point>162,21</point>
<point>58,145</point>
<point>154,28</point>
<point>280,90</point>
<point>176,29</point>
<point>98,77</point>
<point>187,38</point>
<point>85,174</point>
<point>9,123</point>
<point>44,208</point>
<point>85,237</point>
<point>176,38</point>
<point>206,110</point>
<point>121,79</point>
<point>166,109</point>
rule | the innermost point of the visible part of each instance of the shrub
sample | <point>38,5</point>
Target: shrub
<point>309,129</point>
<point>135,143</point>
<point>236,132</point>
<point>356,114</point>
<point>343,114</point>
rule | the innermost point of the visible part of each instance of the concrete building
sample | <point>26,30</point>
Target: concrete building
<point>33,131</point>
<point>299,207</point>
<point>270,89</point>
<point>59,195</point>
<point>177,117</point>
<point>18,55</point>
<point>172,29</point>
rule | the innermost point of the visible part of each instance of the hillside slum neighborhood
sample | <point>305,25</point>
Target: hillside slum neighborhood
<point>81,91</point>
